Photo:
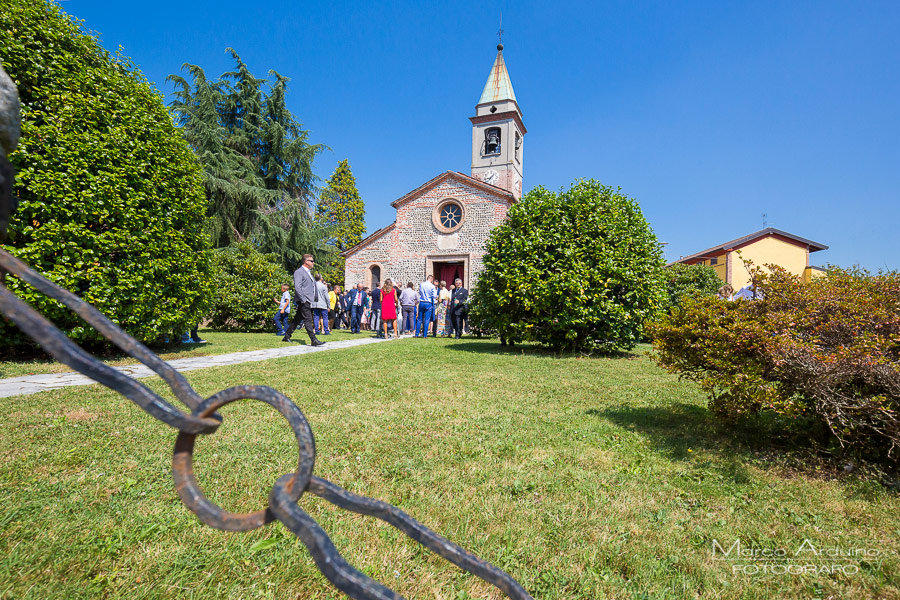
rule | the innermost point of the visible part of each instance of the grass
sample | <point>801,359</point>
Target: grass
<point>584,478</point>
<point>217,343</point>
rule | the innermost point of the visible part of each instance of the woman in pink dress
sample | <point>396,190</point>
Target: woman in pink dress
<point>389,307</point>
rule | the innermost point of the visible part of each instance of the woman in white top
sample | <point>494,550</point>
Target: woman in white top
<point>443,304</point>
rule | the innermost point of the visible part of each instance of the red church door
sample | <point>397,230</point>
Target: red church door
<point>449,272</point>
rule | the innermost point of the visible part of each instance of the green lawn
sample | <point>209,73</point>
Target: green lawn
<point>216,343</point>
<point>584,478</point>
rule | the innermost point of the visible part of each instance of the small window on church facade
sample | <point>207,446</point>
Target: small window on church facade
<point>448,216</point>
<point>518,146</point>
<point>492,140</point>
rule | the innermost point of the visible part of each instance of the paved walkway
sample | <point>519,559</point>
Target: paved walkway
<point>32,384</point>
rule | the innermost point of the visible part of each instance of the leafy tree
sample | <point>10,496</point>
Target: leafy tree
<point>247,284</point>
<point>578,270</point>
<point>111,197</point>
<point>690,281</point>
<point>257,159</point>
<point>341,207</point>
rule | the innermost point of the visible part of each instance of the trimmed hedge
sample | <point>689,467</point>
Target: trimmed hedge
<point>112,203</point>
<point>578,270</point>
<point>828,350</point>
<point>247,285</point>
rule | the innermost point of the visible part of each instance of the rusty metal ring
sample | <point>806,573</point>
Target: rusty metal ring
<point>183,467</point>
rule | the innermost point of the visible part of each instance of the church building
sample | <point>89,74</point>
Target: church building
<point>442,226</point>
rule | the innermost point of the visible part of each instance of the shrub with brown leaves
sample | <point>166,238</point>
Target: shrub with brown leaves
<point>828,349</point>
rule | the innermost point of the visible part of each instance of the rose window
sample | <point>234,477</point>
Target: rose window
<point>448,215</point>
<point>451,216</point>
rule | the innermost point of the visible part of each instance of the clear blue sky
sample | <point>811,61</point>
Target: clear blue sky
<point>708,113</point>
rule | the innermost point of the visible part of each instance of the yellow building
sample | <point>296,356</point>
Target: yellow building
<point>769,246</point>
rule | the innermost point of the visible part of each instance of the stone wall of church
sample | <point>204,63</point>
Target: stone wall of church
<point>403,252</point>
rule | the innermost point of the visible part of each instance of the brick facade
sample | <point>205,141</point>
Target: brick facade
<point>406,250</point>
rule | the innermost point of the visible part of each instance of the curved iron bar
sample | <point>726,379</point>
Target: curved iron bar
<point>60,347</point>
<point>419,533</point>
<point>327,558</point>
<point>176,381</point>
<point>286,491</point>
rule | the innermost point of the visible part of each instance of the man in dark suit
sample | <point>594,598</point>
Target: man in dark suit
<point>305,293</point>
<point>345,308</point>
<point>458,309</point>
<point>358,300</point>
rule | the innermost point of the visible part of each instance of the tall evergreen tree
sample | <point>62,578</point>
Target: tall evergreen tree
<point>341,207</point>
<point>233,186</point>
<point>257,160</point>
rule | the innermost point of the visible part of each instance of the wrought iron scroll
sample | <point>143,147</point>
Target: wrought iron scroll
<point>203,419</point>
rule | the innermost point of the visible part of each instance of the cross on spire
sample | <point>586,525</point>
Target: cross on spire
<point>500,34</point>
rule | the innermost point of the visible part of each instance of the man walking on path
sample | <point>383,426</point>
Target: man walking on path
<point>305,294</point>
<point>427,296</point>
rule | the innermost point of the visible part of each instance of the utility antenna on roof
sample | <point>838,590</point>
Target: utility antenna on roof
<point>765,217</point>
<point>500,33</point>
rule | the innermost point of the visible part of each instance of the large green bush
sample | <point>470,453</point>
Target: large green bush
<point>111,197</point>
<point>828,350</point>
<point>247,283</point>
<point>689,281</point>
<point>578,270</point>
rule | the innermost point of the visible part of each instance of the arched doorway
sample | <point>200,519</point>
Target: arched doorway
<point>374,276</point>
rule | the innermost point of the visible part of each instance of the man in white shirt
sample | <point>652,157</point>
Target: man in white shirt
<point>305,294</point>
<point>358,303</point>
<point>284,310</point>
<point>427,295</point>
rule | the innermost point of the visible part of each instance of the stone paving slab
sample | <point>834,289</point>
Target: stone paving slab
<point>32,384</point>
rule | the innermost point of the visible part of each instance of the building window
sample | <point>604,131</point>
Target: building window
<point>448,216</point>
<point>713,261</point>
<point>518,146</point>
<point>492,140</point>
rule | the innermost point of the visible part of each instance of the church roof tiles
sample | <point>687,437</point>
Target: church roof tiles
<point>465,179</point>
<point>368,239</point>
<point>461,177</point>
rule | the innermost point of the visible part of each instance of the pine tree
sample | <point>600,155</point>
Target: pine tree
<point>257,162</point>
<point>341,207</point>
<point>233,186</point>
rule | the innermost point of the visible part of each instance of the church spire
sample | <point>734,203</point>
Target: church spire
<point>498,86</point>
<point>498,132</point>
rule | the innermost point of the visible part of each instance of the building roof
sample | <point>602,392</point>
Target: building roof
<point>370,238</point>
<point>743,241</point>
<point>465,179</point>
<point>500,192</point>
<point>498,86</point>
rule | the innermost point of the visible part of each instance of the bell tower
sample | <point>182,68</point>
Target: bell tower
<point>498,134</point>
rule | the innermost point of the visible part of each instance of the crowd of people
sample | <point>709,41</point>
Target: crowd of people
<point>387,309</point>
